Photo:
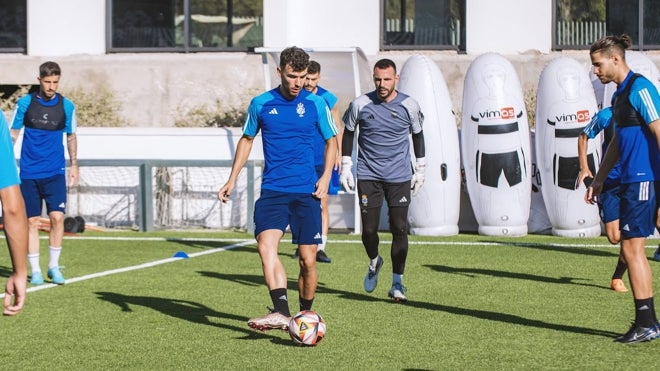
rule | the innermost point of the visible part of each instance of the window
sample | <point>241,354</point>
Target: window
<point>423,24</point>
<point>13,26</point>
<point>579,23</point>
<point>184,25</point>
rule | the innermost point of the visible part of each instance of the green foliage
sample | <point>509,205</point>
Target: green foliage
<point>476,303</point>
<point>530,105</point>
<point>96,107</point>
<point>8,104</point>
<point>219,114</point>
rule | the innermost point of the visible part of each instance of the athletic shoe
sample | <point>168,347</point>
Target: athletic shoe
<point>56,275</point>
<point>321,257</point>
<point>638,334</point>
<point>296,253</point>
<point>397,293</point>
<point>371,279</point>
<point>272,320</point>
<point>656,254</point>
<point>618,285</point>
<point>37,279</point>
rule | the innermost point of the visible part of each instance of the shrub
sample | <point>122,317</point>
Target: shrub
<point>96,107</point>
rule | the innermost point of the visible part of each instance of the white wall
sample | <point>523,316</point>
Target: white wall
<point>508,26</point>
<point>322,23</point>
<point>65,27</point>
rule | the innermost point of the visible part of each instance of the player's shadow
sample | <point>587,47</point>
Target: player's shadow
<point>205,244</point>
<point>189,311</point>
<point>474,272</point>
<point>481,314</point>
<point>557,248</point>
<point>5,271</point>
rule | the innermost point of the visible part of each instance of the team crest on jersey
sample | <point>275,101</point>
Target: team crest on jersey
<point>300,110</point>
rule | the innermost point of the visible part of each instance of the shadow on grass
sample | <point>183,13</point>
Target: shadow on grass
<point>5,271</point>
<point>559,248</point>
<point>474,272</point>
<point>481,314</point>
<point>200,243</point>
<point>189,311</point>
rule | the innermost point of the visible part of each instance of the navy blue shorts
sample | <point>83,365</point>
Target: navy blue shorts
<point>638,209</point>
<point>52,190</point>
<point>608,204</point>
<point>300,211</point>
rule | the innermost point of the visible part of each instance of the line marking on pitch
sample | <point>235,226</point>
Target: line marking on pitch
<point>136,267</point>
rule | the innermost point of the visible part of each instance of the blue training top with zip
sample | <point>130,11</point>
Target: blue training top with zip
<point>331,100</point>
<point>289,129</point>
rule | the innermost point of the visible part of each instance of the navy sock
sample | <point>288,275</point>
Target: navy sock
<point>306,304</point>
<point>280,302</point>
<point>644,312</point>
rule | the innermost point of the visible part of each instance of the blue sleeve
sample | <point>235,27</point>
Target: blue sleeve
<point>330,99</point>
<point>598,123</point>
<point>71,124</point>
<point>326,123</point>
<point>251,125</point>
<point>645,100</point>
<point>19,112</point>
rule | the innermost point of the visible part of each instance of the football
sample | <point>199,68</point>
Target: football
<point>307,328</point>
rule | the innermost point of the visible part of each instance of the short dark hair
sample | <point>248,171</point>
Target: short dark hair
<point>297,58</point>
<point>612,44</point>
<point>385,63</point>
<point>49,69</point>
<point>314,67</point>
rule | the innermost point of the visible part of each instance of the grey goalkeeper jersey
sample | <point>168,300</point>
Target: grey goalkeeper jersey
<point>384,135</point>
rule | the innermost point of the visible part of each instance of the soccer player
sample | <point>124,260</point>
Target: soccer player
<point>386,118</point>
<point>46,115</point>
<point>14,223</point>
<point>289,118</point>
<point>312,85</point>
<point>608,200</point>
<point>635,144</point>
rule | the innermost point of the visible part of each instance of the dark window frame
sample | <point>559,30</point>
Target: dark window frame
<point>19,49</point>
<point>461,47</point>
<point>186,47</point>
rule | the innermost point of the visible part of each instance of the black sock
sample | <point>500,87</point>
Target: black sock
<point>306,304</point>
<point>644,312</point>
<point>280,302</point>
<point>620,269</point>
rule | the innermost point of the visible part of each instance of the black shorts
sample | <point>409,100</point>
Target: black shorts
<point>372,193</point>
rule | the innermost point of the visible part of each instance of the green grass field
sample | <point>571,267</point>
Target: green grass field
<point>476,303</point>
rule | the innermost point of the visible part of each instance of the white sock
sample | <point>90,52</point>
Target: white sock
<point>34,263</point>
<point>397,278</point>
<point>321,246</point>
<point>54,256</point>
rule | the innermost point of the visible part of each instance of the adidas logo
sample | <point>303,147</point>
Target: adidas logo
<point>62,205</point>
<point>644,307</point>
<point>318,235</point>
<point>371,117</point>
<point>283,297</point>
<point>626,228</point>
<point>403,199</point>
<point>273,112</point>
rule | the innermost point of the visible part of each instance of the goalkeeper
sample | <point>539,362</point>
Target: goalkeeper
<point>386,118</point>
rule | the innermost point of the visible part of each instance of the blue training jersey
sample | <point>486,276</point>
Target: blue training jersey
<point>42,151</point>
<point>319,146</point>
<point>8,171</point>
<point>289,129</point>
<point>638,147</point>
<point>601,121</point>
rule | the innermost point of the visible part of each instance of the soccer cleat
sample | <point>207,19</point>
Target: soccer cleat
<point>397,293</point>
<point>271,321</point>
<point>56,275</point>
<point>638,334</point>
<point>37,278</point>
<point>371,279</point>
<point>656,254</point>
<point>321,257</point>
<point>618,285</point>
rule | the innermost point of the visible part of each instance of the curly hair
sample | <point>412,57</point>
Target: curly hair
<point>609,45</point>
<point>295,57</point>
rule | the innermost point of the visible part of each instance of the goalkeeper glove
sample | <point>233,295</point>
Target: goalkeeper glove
<point>418,176</point>
<point>346,177</point>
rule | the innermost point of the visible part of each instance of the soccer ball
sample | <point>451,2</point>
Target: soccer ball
<point>307,328</point>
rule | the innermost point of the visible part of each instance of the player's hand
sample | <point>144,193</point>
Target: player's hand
<point>322,186</point>
<point>419,176</point>
<point>346,175</point>
<point>593,191</point>
<point>584,174</point>
<point>15,293</point>
<point>73,175</point>
<point>225,192</point>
